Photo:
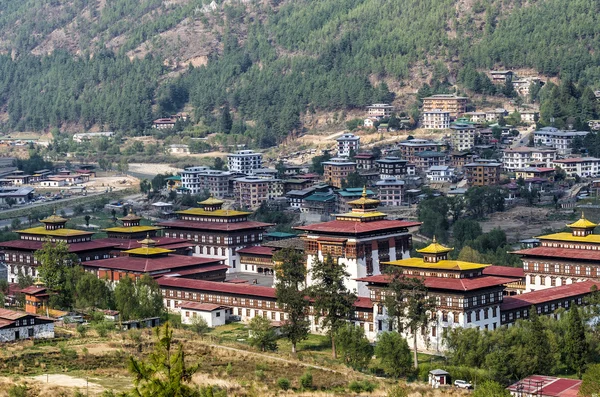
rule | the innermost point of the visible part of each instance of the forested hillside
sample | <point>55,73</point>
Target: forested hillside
<point>269,62</point>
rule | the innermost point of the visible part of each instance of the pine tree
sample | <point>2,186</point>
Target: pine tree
<point>575,343</point>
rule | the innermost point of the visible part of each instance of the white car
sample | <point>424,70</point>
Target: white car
<point>462,384</point>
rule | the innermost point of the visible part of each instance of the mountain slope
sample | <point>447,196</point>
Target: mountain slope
<point>269,61</point>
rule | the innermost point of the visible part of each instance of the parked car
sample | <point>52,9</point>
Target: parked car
<point>462,384</point>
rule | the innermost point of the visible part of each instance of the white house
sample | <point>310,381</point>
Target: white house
<point>214,315</point>
<point>440,173</point>
<point>553,137</point>
<point>21,325</point>
<point>348,143</point>
<point>436,119</point>
<point>369,122</point>
<point>582,166</point>
<point>244,161</point>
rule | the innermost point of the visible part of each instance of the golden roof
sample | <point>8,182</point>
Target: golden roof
<point>211,201</point>
<point>130,216</point>
<point>441,265</point>
<point>565,236</point>
<point>57,232</point>
<point>434,248</point>
<point>364,200</point>
<point>131,229</point>
<point>54,218</point>
<point>147,241</point>
<point>362,215</point>
<point>216,213</point>
<point>148,251</point>
<point>583,223</point>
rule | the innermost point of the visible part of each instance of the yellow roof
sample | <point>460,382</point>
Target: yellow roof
<point>148,251</point>
<point>130,216</point>
<point>583,223</point>
<point>564,236</point>
<point>211,201</point>
<point>374,214</point>
<point>216,213</point>
<point>435,248</point>
<point>441,265</point>
<point>58,232</point>
<point>54,219</point>
<point>131,229</point>
<point>364,199</point>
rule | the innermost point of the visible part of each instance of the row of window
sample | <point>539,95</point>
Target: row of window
<point>216,239</point>
<point>563,269</point>
<point>548,308</point>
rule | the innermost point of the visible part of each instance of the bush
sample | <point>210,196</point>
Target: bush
<point>199,325</point>
<point>81,330</point>
<point>358,386</point>
<point>283,383</point>
<point>17,391</point>
<point>260,374</point>
<point>229,369</point>
<point>103,327</point>
<point>355,386</point>
<point>306,380</point>
<point>397,391</point>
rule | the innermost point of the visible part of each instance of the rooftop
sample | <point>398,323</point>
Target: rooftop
<point>215,213</point>
<point>439,265</point>
<point>202,307</point>
<point>565,253</point>
<point>453,284</point>
<point>582,223</point>
<point>215,226</point>
<point>577,160</point>
<point>56,232</point>
<point>73,248</point>
<point>256,250</point>
<point>434,248</point>
<point>131,229</point>
<point>546,386</point>
<point>213,286</point>
<point>547,295</point>
<point>565,236</point>
<point>149,265</point>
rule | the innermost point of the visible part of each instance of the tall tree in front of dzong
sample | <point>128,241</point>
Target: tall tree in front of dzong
<point>332,299</point>
<point>57,272</point>
<point>576,346</point>
<point>289,288</point>
<point>535,355</point>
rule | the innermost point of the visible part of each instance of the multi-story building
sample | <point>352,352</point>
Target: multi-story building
<point>536,172</point>
<point>451,103</point>
<point>358,240</point>
<point>495,115</point>
<point>460,159</point>
<point>465,296</point>
<point>320,203</point>
<point>475,117</point>
<point>380,110</point>
<point>391,167</point>
<point>409,149</point>
<point>427,159</point>
<point>391,191</point>
<point>501,76</point>
<point>441,173</point>
<point>436,120</point>
<point>529,116</point>
<point>581,166</point>
<point>244,161</point>
<point>216,233</point>
<point>336,170</point>
<point>347,144</point>
<point>563,258</point>
<point>558,139</point>
<point>463,136</point>
<point>521,157</point>
<point>197,180</point>
<point>252,191</point>
<point>365,161</point>
<point>483,173</point>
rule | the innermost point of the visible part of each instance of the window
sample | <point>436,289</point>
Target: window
<point>218,314</point>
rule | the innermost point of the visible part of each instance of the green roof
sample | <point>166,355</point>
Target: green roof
<point>280,234</point>
<point>354,192</point>
<point>429,153</point>
<point>174,178</point>
<point>320,197</point>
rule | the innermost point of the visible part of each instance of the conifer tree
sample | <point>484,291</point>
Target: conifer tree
<point>575,343</point>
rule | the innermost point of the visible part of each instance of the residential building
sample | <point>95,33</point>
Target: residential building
<point>358,240</point>
<point>451,103</point>
<point>252,191</point>
<point>465,296</point>
<point>483,173</point>
<point>427,159</point>
<point>475,117</point>
<point>213,315</point>
<point>582,166</point>
<point>558,139</point>
<point>495,115</point>
<point>463,136</point>
<point>501,76</point>
<point>164,123</point>
<point>369,122</point>
<point>88,136</point>
<point>391,192</point>
<point>216,232</point>
<point>391,166</point>
<point>380,110</point>
<point>545,386</point>
<point>16,326</point>
<point>441,173</point>
<point>296,184</point>
<point>521,157</point>
<point>177,148</point>
<point>348,195</point>
<point>21,195</point>
<point>244,161</point>
<point>365,161</point>
<point>320,203</point>
<point>529,116</point>
<point>36,298</point>
<point>563,258</point>
<point>536,172</point>
<point>459,159</point>
<point>409,149</point>
<point>436,120</point>
<point>197,180</point>
<point>347,144</point>
<point>337,169</point>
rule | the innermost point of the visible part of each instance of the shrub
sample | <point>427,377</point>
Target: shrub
<point>358,386</point>
<point>229,369</point>
<point>397,391</point>
<point>355,386</point>
<point>81,330</point>
<point>199,325</point>
<point>260,374</point>
<point>306,380</point>
<point>17,391</point>
<point>103,327</point>
<point>283,383</point>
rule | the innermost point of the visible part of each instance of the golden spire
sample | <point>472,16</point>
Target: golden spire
<point>434,239</point>
<point>364,192</point>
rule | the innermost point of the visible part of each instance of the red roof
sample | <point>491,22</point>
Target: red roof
<point>197,270</point>
<point>213,286</point>
<point>454,284</point>
<point>257,250</point>
<point>6,314</point>
<point>33,290</point>
<point>547,295</point>
<point>363,303</point>
<point>216,226</point>
<point>549,386</point>
<point>566,253</point>
<point>73,247</point>
<point>203,307</point>
<point>352,227</point>
<point>152,264</point>
<point>504,271</point>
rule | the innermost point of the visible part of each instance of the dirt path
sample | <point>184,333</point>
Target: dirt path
<point>68,381</point>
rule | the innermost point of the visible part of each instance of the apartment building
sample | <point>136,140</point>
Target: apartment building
<point>348,143</point>
<point>336,170</point>
<point>391,167</point>
<point>441,173</point>
<point>580,166</point>
<point>244,161</point>
<point>199,179</point>
<point>455,105</point>
<point>463,136</point>
<point>409,149</point>
<point>380,110</point>
<point>252,191</point>
<point>558,139</point>
<point>522,157</point>
<point>483,173</point>
<point>436,120</point>
<point>391,191</point>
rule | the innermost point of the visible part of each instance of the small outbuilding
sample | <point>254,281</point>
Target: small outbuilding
<point>214,315</point>
<point>438,377</point>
